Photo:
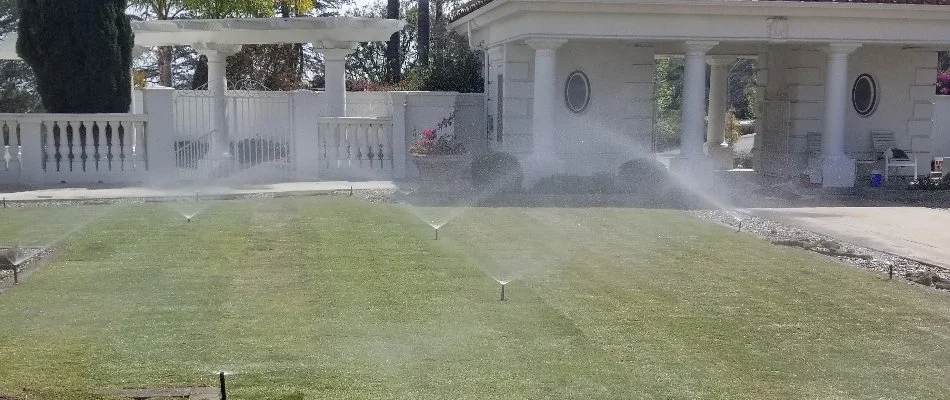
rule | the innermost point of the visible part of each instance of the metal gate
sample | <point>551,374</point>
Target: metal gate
<point>259,135</point>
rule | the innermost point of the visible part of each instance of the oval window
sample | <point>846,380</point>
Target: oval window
<point>864,95</point>
<point>577,92</point>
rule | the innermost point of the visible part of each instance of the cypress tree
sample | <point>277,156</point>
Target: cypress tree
<point>81,53</point>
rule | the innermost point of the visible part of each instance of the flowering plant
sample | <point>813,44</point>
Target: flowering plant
<point>943,83</point>
<point>430,143</point>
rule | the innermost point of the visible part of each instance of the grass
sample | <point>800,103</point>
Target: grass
<point>334,298</point>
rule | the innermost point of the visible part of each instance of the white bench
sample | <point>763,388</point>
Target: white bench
<point>884,144</point>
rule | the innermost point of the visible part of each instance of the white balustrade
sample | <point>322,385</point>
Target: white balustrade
<point>355,143</point>
<point>73,148</point>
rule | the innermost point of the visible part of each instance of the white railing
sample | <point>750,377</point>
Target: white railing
<point>73,148</point>
<point>354,143</point>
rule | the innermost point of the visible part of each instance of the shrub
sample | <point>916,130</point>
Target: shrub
<point>497,171</point>
<point>600,183</point>
<point>642,174</point>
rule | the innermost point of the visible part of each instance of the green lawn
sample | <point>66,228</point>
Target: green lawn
<point>329,297</point>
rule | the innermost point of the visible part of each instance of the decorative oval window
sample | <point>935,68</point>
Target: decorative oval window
<point>864,95</point>
<point>577,92</point>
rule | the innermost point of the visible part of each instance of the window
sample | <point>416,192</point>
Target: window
<point>864,95</point>
<point>577,92</point>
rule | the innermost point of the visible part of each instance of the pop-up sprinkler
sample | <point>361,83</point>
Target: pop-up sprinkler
<point>503,291</point>
<point>224,389</point>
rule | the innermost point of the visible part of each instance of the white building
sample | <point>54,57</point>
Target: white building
<point>829,73</point>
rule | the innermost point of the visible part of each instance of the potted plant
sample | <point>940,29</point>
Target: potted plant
<point>441,158</point>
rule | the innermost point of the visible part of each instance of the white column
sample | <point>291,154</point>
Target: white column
<point>218,85</point>
<point>158,104</point>
<point>838,170</point>
<point>334,67</point>
<point>718,102</point>
<point>694,96</point>
<point>545,96</point>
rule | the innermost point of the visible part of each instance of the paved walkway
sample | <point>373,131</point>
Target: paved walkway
<point>93,192</point>
<point>919,233</point>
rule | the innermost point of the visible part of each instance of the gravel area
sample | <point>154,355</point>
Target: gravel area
<point>34,255</point>
<point>856,256</point>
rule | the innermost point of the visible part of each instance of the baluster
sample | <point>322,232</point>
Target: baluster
<point>84,145</point>
<point>370,135</point>
<point>121,132</point>
<point>70,141</point>
<point>358,143</point>
<point>44,141</point>
<point>324,132</point>
<point>6,147</point>
<point>19,145</point>
<point>138,143</point>
<point>109,155</point>
<point>56,144</point>
<point>97,128</point>
<point>388,139</point>
<point>339,137</point>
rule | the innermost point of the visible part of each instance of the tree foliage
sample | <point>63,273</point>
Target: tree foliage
<point>17,83</point>
<point>81,53</point>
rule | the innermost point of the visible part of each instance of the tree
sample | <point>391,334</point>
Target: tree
<point>81,53</point>
<point>423,35</point>
<point>162,10</point>
<point>393,64</point>
<point>17,83</point>
<point>455,67</point>
<point>369,62</point>
<point>200,80</point>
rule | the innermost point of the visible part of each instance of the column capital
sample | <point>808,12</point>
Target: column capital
<point>215,50</point>
<point>720,61</point>
<point>335,54</point>
<point>840,49</point>
<point>698,47</point>
<point>545,44</point>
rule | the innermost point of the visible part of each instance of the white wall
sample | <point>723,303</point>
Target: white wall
<point>616,126</point>
<point>795,73</point>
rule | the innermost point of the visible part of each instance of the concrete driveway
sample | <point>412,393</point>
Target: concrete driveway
<point>918,233</point>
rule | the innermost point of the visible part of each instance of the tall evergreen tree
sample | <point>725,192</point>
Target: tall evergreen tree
<point>81,53</point>
<point>422,48</point>
<point>393,62</point>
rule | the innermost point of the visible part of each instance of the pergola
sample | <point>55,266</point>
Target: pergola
<point>333,37</point>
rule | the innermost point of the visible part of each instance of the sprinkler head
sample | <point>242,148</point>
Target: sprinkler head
<point>503,291</point>
<point>189,219</point>
<point>740,226</point>
<point>436,233</point>
<point>224,390</point>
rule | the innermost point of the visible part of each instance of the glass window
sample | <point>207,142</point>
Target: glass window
<point>577,92</point>
<point>864,95</point>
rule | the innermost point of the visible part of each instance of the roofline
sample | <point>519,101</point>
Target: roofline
<point>786,8</point>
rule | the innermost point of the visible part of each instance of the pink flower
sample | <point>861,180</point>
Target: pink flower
<point>428,134</point>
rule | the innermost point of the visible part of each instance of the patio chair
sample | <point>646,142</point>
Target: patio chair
<point>886,147</point>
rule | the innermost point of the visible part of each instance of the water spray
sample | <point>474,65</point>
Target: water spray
<point>224,389</point>
<point>503,291</point>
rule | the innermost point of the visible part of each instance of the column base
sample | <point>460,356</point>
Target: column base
<point>838,172</point>
<point>537,166</point>
<point>722,157</point>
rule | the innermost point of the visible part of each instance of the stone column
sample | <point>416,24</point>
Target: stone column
<point>694,95</point>
<point>158,104</point>
<point>218,85</point>
<point>334,67</point>
<point>545,101</point>
<point>718,101</point>
<point>838,170</point>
